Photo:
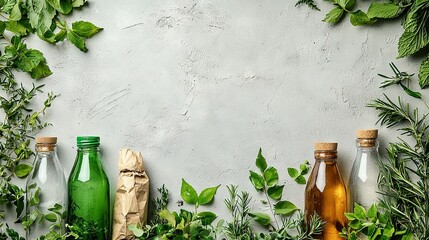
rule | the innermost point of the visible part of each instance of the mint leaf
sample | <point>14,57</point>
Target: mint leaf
<point>41,71</point>
<point>335,15</point>
<point>424,74</point>
<point>383,10</point>
<point>41,15</point>
<point>360,18</point>
<point>62,6</point>
<point>29,59</point>
<point>15,14</point>
<point>346,4</point>
<point>16,27</point>
<point>85,29</point>
<point>78,41</point>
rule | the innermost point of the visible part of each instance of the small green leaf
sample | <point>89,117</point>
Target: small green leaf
<point>15,14</point>
<point>51,217</point>
<point>41,71</point>
<point>271,176</point>
<point>275,192</point>
<point>167,215</point>
<point>424,74</point>
<point>350,216</point>
<point>85,29</point>
<point>304,168</point>
<point>32,186</point>
<point>77,40</point>
<point>293,173</point>
<point>207,195</point>
<point>383,10</point>
<point>206,217</point>
<point>62,6</point>
<point>261,163</point>
<point>136,231</point>
<point>188,193</point>
<point>257,180</point>
<point>16,27</point>
<point>335,15</point>
<point>60,36</point>
<point>300,180</point>
<point>359,18</point>
<point>360,211</point>
<point>411,92</point>
<point>285,208</point>
<point>22,170</point>
<point>346,4</point>
<point>261,218</point>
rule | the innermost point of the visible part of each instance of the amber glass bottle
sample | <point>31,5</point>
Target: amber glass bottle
<point>326,193</point>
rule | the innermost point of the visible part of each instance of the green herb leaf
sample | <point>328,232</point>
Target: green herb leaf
<point>271,176</point>
<point>360,18</point>
<point>285,208</point>
<point>346,4</point>
<point>29,59</point>
<point>261,163</point>
<point>300,180</point>
<point>15,14</point>
<point>424,74</point>
<point>257,180</point>
<point>85,29</point>
<point>372,212</point>
<point>275,192</point>
<point>62,6</point>
<point>261,218</point>
<point>207,195</point>
<point>360,211</point>
<point>16,27</point>
<point>206,217</point>
<point>77,40</point>
<point>167,215</point>
<point>335,15</point>
<point>383,10</point>
<point>136,231</point>
<point>51,217</point>
<point>22,170</point>
<point>188,193</point>
<point>410,92</point>
<point>78,3</point>
<point>293,173</point>
<point>41,71</point>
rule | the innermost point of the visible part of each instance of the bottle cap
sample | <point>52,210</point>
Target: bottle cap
<point>46,140</point>
<point>367,133</point>
<point>325,146</point>
<point>88,141</point>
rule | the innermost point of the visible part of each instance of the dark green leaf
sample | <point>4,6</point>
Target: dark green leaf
<point>271,176</point>
<point>261,163</point>
<point>360,18</point>
<point>188,193</point>
<point>410,92</point>
<point>424,74</point>
<point>335,15</point>
<point>304,168</point>
<point>346,4</point>
<point>257,180</point>
<point>275,192</point>
<point>293,173</point>
<point>41,71</point>
<point>285,208</point>
<point>85,29</point>
<point>383,10</point>
<point>300,180</point>
<point>207,195</point>
<point>206,217</point>
<point>62,6</point>
<point>60,36</point>
<point>19,206</point>
<point>261,218</point>
<point>22,170</point>
<point>51,217</point>
<point>78,41</point>
<point>29,59</point>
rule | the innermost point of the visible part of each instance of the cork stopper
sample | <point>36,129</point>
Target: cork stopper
<point>367,133</point>
<point>46,144</point>
<point>325,146</point>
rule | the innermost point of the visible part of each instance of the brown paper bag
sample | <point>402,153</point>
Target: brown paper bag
<point>132,195</point>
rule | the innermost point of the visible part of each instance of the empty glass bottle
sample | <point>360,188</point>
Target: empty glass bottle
<point>46,191</point>
<point>364,174</point>
<point>89,205</point>
<point>325,193</point>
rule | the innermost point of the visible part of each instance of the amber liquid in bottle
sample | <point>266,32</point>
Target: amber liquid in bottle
<point>326,194</point>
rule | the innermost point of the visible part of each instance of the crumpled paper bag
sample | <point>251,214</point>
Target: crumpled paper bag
<point>132,195</point>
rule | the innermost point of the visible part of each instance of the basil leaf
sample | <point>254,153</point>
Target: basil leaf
<point>207,195</point>
<point>206,217</point>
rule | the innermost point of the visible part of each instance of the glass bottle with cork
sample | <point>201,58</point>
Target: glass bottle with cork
<point>88,187</point>
<point>325,193</point>
<point>46,191</point>
<point>364,174</point>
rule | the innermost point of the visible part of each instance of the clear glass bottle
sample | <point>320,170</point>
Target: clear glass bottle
<point>326,193</point>
<point>46,191</point>
<point>363,177</point>
<point>89,205</point>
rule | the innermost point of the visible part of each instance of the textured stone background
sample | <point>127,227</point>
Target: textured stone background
<point>199,86</point>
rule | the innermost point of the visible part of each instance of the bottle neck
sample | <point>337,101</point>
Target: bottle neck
<point>83,149</point>
<point>46,149</point>
<point>369,143</point>
<point>325,155</point>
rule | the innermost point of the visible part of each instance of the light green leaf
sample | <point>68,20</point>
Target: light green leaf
<point>62,6</point>
<point>136,231</point>
<point>424,74</point>
<point>207,195</point>
<point>359,18</point>
<point>60,36</point>
<point>261,218</point>
<point>261,163</point>
<point>293,173</point>
<point>85,29</point>
<point>16,27</point>
<point>78,41</point>
<point>257,180</point>
<point>304,168</point>
<point>346,4</point>
<point>285,208</point>
<point>167,215</point>
<point>41,15</point>
<point>271,176</point>
<point>188,193</point>
<point>300,180</point>
<point>29,59</point>
<point>275,192</point>
<point>383,10</point>
<point>335,15</point>
<point>15,14</point>
<point>78,3</point>
<point>51,217</point>
<point>360,212</point>
<point>22,170</point>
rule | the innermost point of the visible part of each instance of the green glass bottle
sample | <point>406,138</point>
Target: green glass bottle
<point>88,189</point>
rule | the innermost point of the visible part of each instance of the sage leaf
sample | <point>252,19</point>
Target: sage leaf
<point>275,192</point>
<point>77,40</point>
<point>285,208</point>
<point>51,217</point>
<point>293,173</point>
<point>207,195</point>
<point>424,74</point>
<point>261,218</point>
<point>257,180</point>
<point>85,29</point>
<point>22,170</point>
<point>271,176</point>
<point>261,163</point>
<point>335,15</point>
<point>383,10</point>
<point>62,6</point>
<point>206,217</point>
<point>188,193</point>
<point>359,18</point>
